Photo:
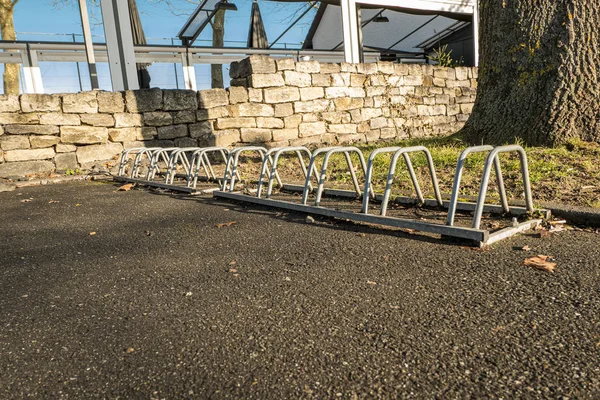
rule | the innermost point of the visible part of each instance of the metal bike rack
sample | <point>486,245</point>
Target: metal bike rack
<point>192,158</point>
<point>405,153</point>
<point>473,233</point>
<point>329,151</point>
<point>231,168</point>
<point>276,153</point>
<point>200,158</point>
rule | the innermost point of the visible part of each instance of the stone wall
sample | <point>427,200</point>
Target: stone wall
<point>275,102</point>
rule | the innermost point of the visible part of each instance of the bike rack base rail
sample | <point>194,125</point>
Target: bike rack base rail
<point>480,237</point>
<point>162,185</point>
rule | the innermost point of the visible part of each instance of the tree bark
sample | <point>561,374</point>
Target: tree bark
<point>538,76</point>
<point>7,29</point>
<point>216,70</point>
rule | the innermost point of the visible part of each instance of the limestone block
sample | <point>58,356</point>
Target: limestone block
<point>473,73</point>
<point>466,108</point>
<point>429,101</point>
<point>401,69</point>
<point>240,82</point>
<point>385,67</point>
<point>462,73</point>
<point>321,79</point>
<point>342,128</point>
<point>156,118</point>
<point>415,70</point>
<point>329,68</point>
<point>283,110</point>
<point>310,67</point>
<point>9,103</point>
<point>269,122</point>
<point>347,67</point>
<point>284,64</point>
<point>367,68</point>
<point>172,131</point>
<point>388,133</point>
<point>252,110</point>
<point>347,103</point>
<point>398,100</point>
<point>124,134</point>
<point>147,133</point>
<point>237,95</point>
<point>423,110</point>
<point>311,93</point>
<point>28,155</point>
<point>186,142</point>
<point>110,102</point>
<point>369,113</point>
<point>25,168</point>
<point>14,142</point>
<point>341,79</point>
<point>312,128</point>
<point>440,72</point>
<point>375,90</point>
<point>352,138</point>
<point>336,117</point>
<point>335,92</point>
<point>201,129</point>
<point>212,113</point>
<point>124,120</point>
<point>284,134</point>
<point>256,64</point>
<point>442,99</point>
<point>184,117</point>
<point>378,80</point>
<point>84,103</point>
<point>452,109</point>
<point>83,134</point>
<point>281,95</point>
<point>357,79</point>
<point>413,80</point>
<point>98,152</point>
<point>38,142</point>
<point>369,102</point>
<point>144,100</point>
<point>300,79</point>
<point>255,95</point>
<point>255,135</point>
<point>177,100</point>
<point>373,135</point>
<point>451,72</point>
<point>65,148</point>
<point>105,120</point>
<point>235,123</point>
<point>234,70</point>
<point>59,119</point>
<point>377,123</point>
<point>212,98</point>
<point>266,80</point>
<point>310,117</point>
<point>66,161</point>
<point>31,129</point>
<point>319,105</point>
<point>40,102</point>
<point>293,121</point>
<point>226,137</point>
<point>12,118</point>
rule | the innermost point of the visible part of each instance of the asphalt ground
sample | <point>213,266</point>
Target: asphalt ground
<point>161,302</point>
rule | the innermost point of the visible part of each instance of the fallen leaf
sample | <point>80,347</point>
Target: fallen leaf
<point>233,270</point>
<point>148,233</point>
<point>130,350</point>
<point>92,233</point>
<point>225,224</point>
<point>188,294</point>
<point>26,201</point>
<point>544,233</point>
<point>236,274</point>
<point>540,262</point>
<point>371,283</point>
<point>558,222</point>
<point>525,248</point>
<point>233,262</point>
<point>125,188</point>
<point>53,201</point>
<point>78,205</point>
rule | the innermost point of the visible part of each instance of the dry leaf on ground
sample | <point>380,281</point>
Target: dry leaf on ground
<point>26,201</point>
<point>371,283</point>
<point>224,224</point>
<point>525,248</point>
<point>540,262</point>
<point>125,188</point>
<point>92,233</point>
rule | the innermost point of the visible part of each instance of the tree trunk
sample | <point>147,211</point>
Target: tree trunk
<point>216,70</point>
<point>538,75</point>
<point>7,29</point>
